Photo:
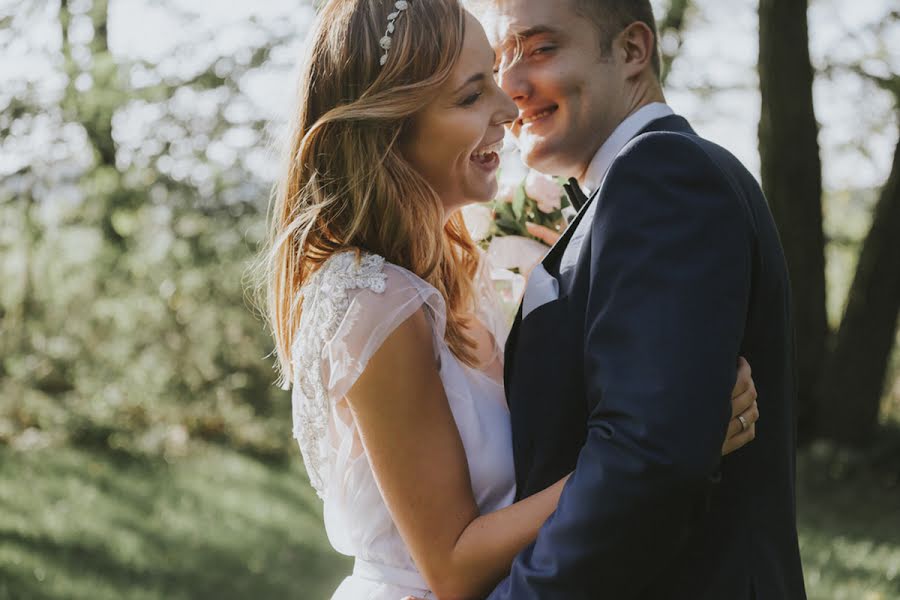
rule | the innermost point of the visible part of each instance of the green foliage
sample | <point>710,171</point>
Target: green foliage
<point>124,320</point>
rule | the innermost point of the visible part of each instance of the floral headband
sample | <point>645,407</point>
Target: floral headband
<point>385,42</point>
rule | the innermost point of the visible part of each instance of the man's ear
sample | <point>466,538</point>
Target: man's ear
<point>636,44</point>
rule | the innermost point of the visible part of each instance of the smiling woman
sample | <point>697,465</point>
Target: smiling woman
<point>468,117</point>
<point>380,312</point>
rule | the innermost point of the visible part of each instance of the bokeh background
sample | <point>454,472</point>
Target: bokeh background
<point>144,449</point>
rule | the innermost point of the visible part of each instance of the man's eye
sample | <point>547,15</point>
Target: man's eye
<point>544,49</point>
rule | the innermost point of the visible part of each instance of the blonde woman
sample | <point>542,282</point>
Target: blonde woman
<point>381,312</point>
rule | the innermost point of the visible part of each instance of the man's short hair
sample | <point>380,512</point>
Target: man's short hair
<point>612,16</point>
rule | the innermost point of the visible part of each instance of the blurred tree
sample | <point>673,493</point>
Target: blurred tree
<point>132,221</point>
<point>671,29</point>
<point>792,180</point>
<point>841,376</point>
<point>853,381</point>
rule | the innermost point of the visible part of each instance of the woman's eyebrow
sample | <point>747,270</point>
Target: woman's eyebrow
<point>474,78</point>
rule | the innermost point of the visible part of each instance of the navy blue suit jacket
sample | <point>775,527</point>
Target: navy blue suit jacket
<point>627,378</point>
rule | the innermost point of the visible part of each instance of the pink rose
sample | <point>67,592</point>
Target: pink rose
<point>544,190</point>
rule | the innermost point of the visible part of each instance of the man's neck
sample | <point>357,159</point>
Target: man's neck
<point>643,95</point>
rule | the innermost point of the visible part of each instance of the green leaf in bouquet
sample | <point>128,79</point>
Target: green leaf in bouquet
<point>518,203</point>
<point>509,226</point>
<point>504,210</point>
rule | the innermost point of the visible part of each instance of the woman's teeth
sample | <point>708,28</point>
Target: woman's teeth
<point>487,153</point>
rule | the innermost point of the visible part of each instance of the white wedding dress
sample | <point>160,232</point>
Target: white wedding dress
<point>350,307</point>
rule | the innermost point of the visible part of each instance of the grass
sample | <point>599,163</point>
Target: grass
<point>76,524</point>
<point>218,524</point>
<point>849,521</point>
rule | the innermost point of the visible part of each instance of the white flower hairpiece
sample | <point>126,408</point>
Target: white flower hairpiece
<point>385,42</point>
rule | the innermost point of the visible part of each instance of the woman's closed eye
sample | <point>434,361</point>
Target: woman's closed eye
<point>471,99</point>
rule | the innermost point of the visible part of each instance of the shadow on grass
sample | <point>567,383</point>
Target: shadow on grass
<point>217,525</point>
<point>18,585</point>
<point>849,519</point>
<point>211,572</point>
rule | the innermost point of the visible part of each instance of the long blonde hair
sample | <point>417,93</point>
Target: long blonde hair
<point>346,184</point>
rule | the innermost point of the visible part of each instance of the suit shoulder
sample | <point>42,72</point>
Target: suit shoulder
<point>688,148</point>
<point>670,154</point>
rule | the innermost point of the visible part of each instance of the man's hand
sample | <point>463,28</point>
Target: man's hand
<point>744,411</point>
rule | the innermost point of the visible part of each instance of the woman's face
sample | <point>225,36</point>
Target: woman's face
<point>455,141</point>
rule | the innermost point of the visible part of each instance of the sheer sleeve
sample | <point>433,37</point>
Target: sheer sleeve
<point>350,307</point>
<point>369,319</point>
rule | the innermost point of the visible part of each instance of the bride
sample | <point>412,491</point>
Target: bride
<point>381,308</point>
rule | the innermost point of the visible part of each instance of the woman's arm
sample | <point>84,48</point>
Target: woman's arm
<point>418,459</point>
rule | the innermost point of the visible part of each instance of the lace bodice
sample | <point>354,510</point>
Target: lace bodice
<point>326,302</point>
<point>349,308</point>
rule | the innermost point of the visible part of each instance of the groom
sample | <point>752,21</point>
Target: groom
<point>622,357</point>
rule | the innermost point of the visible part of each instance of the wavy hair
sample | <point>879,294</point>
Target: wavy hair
<point>346,184</point>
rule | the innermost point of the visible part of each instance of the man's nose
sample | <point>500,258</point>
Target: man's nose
<point>513,80</point>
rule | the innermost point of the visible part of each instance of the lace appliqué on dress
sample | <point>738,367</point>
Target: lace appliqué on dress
<point>325,304</point>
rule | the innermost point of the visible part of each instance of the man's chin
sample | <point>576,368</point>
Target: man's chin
<point>540,155</point>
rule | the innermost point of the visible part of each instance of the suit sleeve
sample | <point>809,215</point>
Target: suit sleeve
<point>671,260</point>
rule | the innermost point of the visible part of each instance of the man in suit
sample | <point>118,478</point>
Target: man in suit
<point>622,358</point>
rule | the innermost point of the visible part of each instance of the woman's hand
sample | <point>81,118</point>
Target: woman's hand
<point>744,411</point>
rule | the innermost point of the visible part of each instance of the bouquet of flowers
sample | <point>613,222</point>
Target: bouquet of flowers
<point>515,228</point>
<point>539,199</point>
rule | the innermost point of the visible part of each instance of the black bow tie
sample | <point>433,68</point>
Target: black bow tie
<point>576,196</point>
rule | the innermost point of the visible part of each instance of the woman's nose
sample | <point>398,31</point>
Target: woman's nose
<point>508,111</point>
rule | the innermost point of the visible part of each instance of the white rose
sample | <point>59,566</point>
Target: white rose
<point>506,191</point>
<point>478,218</point>
<point>516,252</point>
<point>544,190</point>
<point>510,287</point>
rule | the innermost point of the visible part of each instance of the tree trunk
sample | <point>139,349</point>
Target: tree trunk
<point>792,181</point>
<point>853,383</point>
<point>672,26</point>
<point>95,116</point>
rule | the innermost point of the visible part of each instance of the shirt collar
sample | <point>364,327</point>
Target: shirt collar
<point>620,137</point>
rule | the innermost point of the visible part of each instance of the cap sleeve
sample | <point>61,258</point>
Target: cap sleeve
<point>350,307</point>
<point>370,317</point>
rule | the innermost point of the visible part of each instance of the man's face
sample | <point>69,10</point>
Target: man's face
<point>570,97</point>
